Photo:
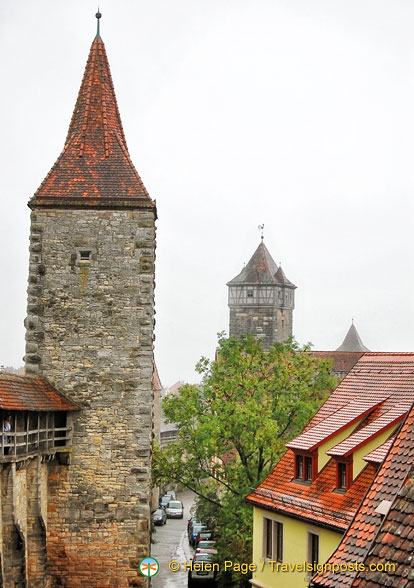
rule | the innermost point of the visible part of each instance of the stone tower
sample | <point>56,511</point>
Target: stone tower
<point>89,330</point>
<point>261,300</point>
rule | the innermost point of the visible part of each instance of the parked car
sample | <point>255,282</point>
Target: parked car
<point>196,528</point>
<point>175,509</point>
<point>202,569</point>
<point>159,516</point>
<point>205,535</point>
<point>164,500</point>
<point>207,547</point>
<point>192,521</point>
<point>172,494</point>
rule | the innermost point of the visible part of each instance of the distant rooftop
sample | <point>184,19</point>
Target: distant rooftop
<point>352,341</point>
<point>261,269</point>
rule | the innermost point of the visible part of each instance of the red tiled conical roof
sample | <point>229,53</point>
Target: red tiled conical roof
<point>94,167</point>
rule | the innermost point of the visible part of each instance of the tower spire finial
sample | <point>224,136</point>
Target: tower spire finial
<point>98,16</point>
<point>261,229</point>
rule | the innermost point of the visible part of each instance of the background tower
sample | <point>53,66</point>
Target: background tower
<point>89,330</point>
<point>261,300</point>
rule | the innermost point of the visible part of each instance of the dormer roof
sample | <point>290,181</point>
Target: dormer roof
<point>352,341</point>
<point>261,269</point>
<point>94,168</point>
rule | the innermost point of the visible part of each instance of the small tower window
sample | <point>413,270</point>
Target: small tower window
<point>85,255</point>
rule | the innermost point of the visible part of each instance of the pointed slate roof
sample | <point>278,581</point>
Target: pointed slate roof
<point>261,269</point>
<point>94,168</point>
<point>352,341</point>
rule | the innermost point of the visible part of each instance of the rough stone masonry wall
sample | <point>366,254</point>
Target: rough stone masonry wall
<point>89,330</point>
<point>267,323</point>
<point>23,537</point>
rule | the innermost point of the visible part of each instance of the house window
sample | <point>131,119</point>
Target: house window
<point>308,468</point>
<point>304,468</point>
<point>342,476</point>
<point>269,539</point>
<point>313,548</point>
<point>272,540</point>
<point>278,529</point>
<point>299,467</point>
<point>249,293</point>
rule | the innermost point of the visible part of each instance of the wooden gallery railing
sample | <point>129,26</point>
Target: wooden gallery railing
<point>16,443</point>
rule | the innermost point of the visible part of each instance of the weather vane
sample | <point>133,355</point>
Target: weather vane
<point>261,229</point>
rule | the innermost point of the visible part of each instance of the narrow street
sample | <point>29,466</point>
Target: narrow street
<point>171,544</point>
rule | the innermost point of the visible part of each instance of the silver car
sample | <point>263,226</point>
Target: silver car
<point>175,509</point>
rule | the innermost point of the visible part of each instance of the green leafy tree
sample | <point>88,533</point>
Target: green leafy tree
<point>232,430</point>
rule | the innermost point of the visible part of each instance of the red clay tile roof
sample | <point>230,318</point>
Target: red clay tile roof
<point>382,379</point>
<point>94,167</point>
<point>316,502</point>
<point>379,454</point>
<point>261,269</point>
<point>342,361</point>
<point>29,393</point>
<point>374,428</point>
<point>370,534</point>
<point>342,418</point>
<point>393,544</point>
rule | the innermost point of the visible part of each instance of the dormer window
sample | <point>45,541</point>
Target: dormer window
<point>305,467</point>
<point>299,467</point>
<point>308,468</point>
<point>344,474</point>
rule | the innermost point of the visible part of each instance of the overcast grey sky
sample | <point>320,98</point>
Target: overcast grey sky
<point>298,114</point>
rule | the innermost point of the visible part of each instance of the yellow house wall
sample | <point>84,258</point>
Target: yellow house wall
<point>295,549</point>
<point>322,457</point>
<point>359,454</point>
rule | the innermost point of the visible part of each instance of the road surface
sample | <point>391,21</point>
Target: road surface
<point>171,544</point>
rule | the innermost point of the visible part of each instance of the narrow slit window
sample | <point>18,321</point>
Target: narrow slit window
<point>85,255</point>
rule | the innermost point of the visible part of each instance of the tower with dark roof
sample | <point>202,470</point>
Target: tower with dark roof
<point>89,331</point>
<point>261,300</point>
